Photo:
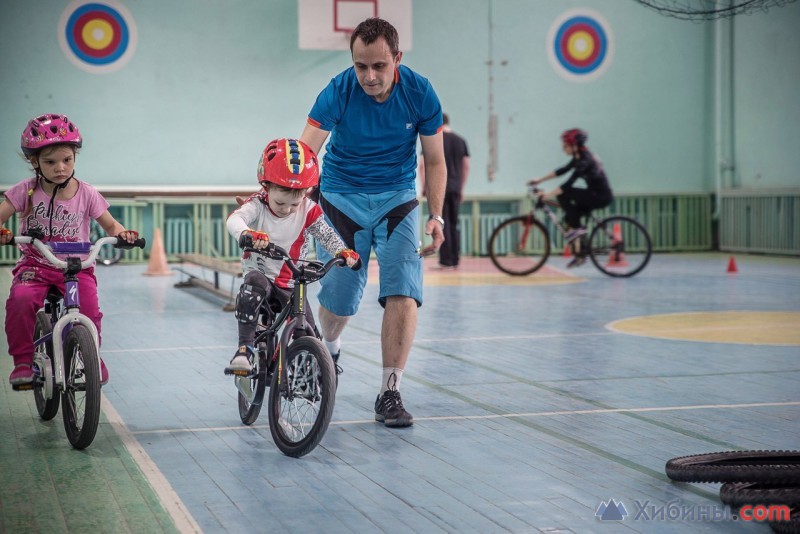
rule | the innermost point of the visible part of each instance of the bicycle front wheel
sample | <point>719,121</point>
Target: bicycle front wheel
<point>80,400</point>
<point>301,408</point>
<point>519,246</point>
<point>45,384</point>
<point>620,246</point>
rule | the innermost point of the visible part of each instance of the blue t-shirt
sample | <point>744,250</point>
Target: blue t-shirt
<point>372,147</point>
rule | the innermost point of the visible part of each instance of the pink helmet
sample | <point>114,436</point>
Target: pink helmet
<point>290,163</point>
<point>49,129</point>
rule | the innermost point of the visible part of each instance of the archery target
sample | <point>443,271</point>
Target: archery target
<point>580,45</point>
<point>97,36</point>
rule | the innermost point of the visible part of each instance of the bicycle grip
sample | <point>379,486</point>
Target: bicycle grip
<point>139,242</point>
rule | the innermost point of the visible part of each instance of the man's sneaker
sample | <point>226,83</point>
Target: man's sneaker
<point>389,410</point>
<point>103,373</point>
<point>577,261</point>
<point>240,364</point>
<point>21,377</point>
<point>574,234</point>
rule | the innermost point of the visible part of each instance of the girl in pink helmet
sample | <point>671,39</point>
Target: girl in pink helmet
<point>283,214</point>
<point>58,207</point>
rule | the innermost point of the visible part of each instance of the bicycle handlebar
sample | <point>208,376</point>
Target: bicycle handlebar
<point>49,249</point>
<point>312,270</point>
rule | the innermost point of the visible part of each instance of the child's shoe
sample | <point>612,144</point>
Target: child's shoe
<point>22,376</point>
<point>240,364</point>
<point>103,373</point>
<point>577,261</point>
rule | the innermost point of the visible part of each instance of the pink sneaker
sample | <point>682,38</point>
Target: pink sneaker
<point>22,375</point>
<point>103,373</point>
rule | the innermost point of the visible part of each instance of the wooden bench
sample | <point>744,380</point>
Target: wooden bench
<point>216,266</point>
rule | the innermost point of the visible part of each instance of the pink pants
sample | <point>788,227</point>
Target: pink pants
<point>28,290</point>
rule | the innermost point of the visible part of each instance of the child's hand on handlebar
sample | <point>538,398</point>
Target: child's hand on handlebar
<point>349,255</point>
<point>6,236</point>
<point>128,235</point>
<point>533,182</point>
<point>253,239</point>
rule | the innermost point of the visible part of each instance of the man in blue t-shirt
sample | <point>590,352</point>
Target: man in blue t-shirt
<point>374,111</point>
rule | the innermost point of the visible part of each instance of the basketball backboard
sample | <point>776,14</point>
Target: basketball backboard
<point>327,24</point>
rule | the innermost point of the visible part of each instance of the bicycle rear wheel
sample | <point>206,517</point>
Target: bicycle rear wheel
<point>768,467</point>
<point>620,246</point>
<point>45,384</point>
<point>300,409</point>
<point>255,385</point>
<point>80,400</point>
<point>519,246</point>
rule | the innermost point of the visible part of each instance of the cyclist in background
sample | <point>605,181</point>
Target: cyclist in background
<point>578,202</point>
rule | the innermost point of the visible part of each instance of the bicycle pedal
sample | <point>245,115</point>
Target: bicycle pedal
<point>22,387</point>
<point>237,372</point>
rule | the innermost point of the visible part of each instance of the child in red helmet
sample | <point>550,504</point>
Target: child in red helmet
<point>578,202</point>
<point>61,208</point>
<point>280,213</point>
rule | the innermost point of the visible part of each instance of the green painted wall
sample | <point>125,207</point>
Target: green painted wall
<point>212,81</point>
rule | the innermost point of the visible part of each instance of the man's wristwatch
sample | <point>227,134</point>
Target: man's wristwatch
<point>437,218</point>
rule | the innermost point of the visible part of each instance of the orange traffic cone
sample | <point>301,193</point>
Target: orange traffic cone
<point>732,266</point>
<point>567,252</point>
<point>615,257</point>
<point>157,266</point>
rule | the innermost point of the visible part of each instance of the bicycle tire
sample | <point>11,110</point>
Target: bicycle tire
<point>767,467</point>
<point>736,494</point>
<point>519,246</point>
<point>249,410</point>
<point>80,400</point>
<point>620,259</point>
<point>310,391</point>
<point>788,527</point>
<point>47,408</point>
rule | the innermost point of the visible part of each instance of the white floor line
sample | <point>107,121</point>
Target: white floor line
<point>498,416</point>
<point>376,341</point>
<point>184,521</point>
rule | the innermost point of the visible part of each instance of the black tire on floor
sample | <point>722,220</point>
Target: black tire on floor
<point>740,493</point>
<point>80,400</point>
<point>769,467</point>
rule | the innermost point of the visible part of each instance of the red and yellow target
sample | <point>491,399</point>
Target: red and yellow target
<point>97,36</point>
<point>580,45</point>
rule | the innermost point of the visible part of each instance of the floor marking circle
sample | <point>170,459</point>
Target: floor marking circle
<point>738,327</point>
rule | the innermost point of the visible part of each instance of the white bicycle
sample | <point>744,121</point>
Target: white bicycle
<point>66,361</point>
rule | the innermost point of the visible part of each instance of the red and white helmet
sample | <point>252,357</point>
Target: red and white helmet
<point>574,136</point>
<point>290,163</point>
<point>49,129</point>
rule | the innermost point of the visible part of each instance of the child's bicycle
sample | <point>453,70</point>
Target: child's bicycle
<point>617,245</point>
<point>66,360</point>
<point>295,363</point>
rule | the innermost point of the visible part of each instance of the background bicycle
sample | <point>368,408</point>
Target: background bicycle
<point>106,255</point>
<point>295,363</point>
<point>617,245</point>
<point>66,359</point>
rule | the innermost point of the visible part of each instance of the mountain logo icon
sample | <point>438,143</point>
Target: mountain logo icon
<point>611,511</point>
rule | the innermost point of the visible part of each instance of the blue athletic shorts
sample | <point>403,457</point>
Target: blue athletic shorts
<point>385,222</point>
